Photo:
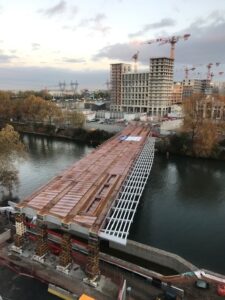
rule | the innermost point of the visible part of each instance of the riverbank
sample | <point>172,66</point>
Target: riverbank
<point>78,134</point>
<point>181,145</point>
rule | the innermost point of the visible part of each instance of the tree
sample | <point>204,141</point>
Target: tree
<point>39,110</point>
<point>5,105</point>
<point>11,148</point>
<point>200,125</point>
<point>207,139</point>
<point>74,118</point>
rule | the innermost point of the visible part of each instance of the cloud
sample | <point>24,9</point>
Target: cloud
<point>35,46</point>
<point>60,9</point>
<point>206,44</point>
<point>57,9</point>
<point>120,51</point>
<point>73,60</point>
<point>74,10</point>
<point>95,23</point>
<point>6,58</point>
<point>166,22</point>
<point>13,51</point>
<point>207,41</point>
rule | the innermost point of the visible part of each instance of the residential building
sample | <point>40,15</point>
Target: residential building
<point>196,86</point>
<point>148,92</point>
<point>116,74</point>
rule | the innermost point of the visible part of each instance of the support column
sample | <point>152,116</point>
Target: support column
<point>92,267</point>
<point>20,231</point>
<point>65,257</point>
<point>42,242</point>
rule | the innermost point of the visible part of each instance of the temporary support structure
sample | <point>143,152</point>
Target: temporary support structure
<point>65,257</point>
<point>42,244</point>
<point>92,267</point>
<point>20,230</point>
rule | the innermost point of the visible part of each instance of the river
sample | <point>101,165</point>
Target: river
<point>182,209</point>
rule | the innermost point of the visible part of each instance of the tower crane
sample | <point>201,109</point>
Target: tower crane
<point>209,67</point>
<point>186,70</point>
<point>213,74</point>
<point>209,73</point>
<point>171,40</point>
<point>135,58</point>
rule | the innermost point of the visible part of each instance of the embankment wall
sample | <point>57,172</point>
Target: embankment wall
<point>156,255</point>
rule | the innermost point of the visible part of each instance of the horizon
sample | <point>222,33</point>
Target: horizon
<point>67,40</point>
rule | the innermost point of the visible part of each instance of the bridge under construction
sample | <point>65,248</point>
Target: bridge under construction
<point>96,198</point>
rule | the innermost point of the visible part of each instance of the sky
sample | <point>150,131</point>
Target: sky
<point>44,42</point>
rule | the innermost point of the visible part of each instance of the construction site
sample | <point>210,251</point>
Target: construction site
<point>73,232</point>
<point>95,199</point>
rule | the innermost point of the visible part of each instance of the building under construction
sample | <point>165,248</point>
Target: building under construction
<point>96,198</point>
<point>143,92</point>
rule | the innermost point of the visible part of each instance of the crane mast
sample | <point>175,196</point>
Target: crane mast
<point>135,58</point>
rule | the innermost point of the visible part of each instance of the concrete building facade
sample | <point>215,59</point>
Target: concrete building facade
<point>196,86</point>
<point>145,92</point>
<point>116,74</point>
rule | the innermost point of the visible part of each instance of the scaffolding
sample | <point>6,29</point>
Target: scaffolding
<point>20,231</point>
<point>117,223</point>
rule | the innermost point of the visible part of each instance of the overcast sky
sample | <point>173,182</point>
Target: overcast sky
<point>43,42</point>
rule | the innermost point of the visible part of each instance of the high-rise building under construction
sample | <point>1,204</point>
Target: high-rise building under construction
<point>148,92</point>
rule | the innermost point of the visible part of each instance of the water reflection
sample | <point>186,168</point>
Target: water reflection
<point>183,208</point>
<point>47,157</point>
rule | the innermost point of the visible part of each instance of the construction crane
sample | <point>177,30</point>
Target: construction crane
<point>135,58</point>
<point>186,70</point>
<point>213,74</point>
<point>209,67</point>
<point>172,40</point>
<point>210,75</point>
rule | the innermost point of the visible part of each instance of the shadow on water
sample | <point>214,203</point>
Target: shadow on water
<point>182,210</point>
<point>200,180</point>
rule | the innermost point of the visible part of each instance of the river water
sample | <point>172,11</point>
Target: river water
<point>182,209</point>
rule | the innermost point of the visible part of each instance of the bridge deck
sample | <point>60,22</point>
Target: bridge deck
<point>82,195</point>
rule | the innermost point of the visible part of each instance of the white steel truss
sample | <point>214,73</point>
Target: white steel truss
<point>117,223</point>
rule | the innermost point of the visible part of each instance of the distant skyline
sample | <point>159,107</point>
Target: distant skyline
<point>44,42</point>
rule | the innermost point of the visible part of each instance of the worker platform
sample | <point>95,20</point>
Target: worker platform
<point>100,191</point>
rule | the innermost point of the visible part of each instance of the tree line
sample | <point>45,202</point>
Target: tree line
<point>28,107</point>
